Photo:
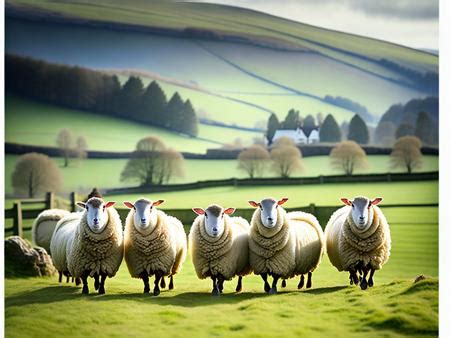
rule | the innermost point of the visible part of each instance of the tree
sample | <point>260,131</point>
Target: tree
<point>272,126</point>
<point>153,104</point>
<point>189,122</point>
<point>406,153</point>
<point>64,142</point>
<point>35,174</point>
<point>174,113</point>
<point>286,158</point>
<point>424,128</point>
<point>309,123</point>
<point>404,129</point>
<point>385,133</point>
<point>330,131</point>
<point>151,163</point>
<point>292,120</point>
<point>357,130</point>
<point>129,100</point>
<point>81,147</point>
<point>348,156</point>
<point>254,160</point>
<point>170,164</point>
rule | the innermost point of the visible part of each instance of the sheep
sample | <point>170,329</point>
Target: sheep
<point>154,243</point>
<point>358,239</point>
<point>44,225</point>
<point>96,249</point>
<point>284,245</point>
<point>62,235</point>
<point>219,246</point>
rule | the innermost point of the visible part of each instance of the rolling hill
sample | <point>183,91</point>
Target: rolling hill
<point>237,66</point>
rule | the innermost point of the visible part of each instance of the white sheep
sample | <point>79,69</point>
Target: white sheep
<point>284,245</point>
<point>62,235</point>
<point>219,246</point>
<point>358,239</point>
<point>155,243</point>
<point>96,249</point>
<point>44,225</point>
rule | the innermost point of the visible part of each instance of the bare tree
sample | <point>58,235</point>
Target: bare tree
<point>81,147</point>
<point>406,153</point>
<point>64,142</point>
<point>254,160</point>
<point>285,159</point>
<point>34,174</point>
<point>348,156</point>
<point>152,163</point>
<point>170,164</point>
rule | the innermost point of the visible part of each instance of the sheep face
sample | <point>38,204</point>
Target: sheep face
<point>96,213</point>
<point>145,215</point>
<point>269,211</point>
<point>214,219</point>
<point>362,211</point>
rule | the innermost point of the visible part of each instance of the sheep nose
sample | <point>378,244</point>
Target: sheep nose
<point>214,229</point>
<point>270,219</point>
<point>95,220</point>
<point>361,218</point>
<point>143,220</point>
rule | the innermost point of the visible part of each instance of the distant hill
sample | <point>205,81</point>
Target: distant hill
<point>238,66</point>
<point>407,113</point>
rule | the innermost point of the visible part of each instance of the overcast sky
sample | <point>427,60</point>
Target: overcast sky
<point>412,23</point>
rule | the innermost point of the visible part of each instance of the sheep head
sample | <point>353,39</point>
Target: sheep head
<point>96,213</point>
<point>214,219</point>
<point>269,212</point>
<point>362,211</point>
<point>145,213</point>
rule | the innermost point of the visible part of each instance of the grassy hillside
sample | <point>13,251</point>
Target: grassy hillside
<point>282,64</point>
<point>105,173</point>
<point>30,122</point>
<point>394,307</point>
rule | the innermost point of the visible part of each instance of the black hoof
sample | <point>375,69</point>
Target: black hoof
<point>370,283</point>
<point>363,285</point>
<point>283,283</point>
<point>156,292</point>
<point>215,292</point>
<point>163,283</point>
<point>146,290</point>
<point>77,281</point>
<point>266,287</point>
<point>101,291</point>
<point>273,291</point>
<point>96,285</point>
<point>85,291</point>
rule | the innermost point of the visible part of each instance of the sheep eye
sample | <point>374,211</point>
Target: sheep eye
<point>87,208</point>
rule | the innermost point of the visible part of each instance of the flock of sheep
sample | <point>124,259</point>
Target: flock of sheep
<point>276,243</point>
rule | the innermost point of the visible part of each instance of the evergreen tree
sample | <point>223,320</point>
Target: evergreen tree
<point>309,123</point>
<point>174,113</point>
<point>404,129</point>
<point>292,120</point>
<point>272,126</point>
<point>130,96</point>
<point>330,131</point>
<point>424,128</point>
<point>357,130</point>
<point>153,104</point>
<point>189,119</point>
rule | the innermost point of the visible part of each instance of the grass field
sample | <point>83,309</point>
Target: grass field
<point>394,307</point>
<point>105,173</point>
<point>30,122</point>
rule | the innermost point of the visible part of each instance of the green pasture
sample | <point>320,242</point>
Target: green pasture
<point>29,122</point>
<point>394,307</point>
<point>105,173</point>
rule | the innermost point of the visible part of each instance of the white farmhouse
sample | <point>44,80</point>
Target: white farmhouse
<point>314,136</point>
<point>298,136</point>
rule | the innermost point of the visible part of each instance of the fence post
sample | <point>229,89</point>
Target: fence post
<point>17,220</point>
<point>73,201</point>
<point>312,209</point>
<point>49,200</point>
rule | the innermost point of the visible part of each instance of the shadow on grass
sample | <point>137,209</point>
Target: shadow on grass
<point>46,295</point>
<point>323,290</point>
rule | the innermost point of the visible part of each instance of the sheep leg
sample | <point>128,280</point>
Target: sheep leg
<point>283,283</point>
<point>171,283</point>
<point>266,283</point>
<point>144,277</point>
<point>59,277</point>
<point>67,279</point>
<point>73,279</point>
<point>363,283</point>
<point>273,290</point>
<point>96,282</point>
<point>158,276</point>
<point>77,281</point>
<point>215,290</point>
<point>239,284</point>
<point>309,282</point>
<point>354,277</point>
<point>220,280</point>
<point>372,272</point>
<point>163,283</point>
<point>301,282</point>
<point>101,289</point>
<point>84,278</point>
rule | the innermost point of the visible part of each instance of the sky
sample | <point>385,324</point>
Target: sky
<point>413,23</point>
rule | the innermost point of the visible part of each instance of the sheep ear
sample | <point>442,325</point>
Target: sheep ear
<point>282,201</point>
<point>158,202</point>
<point>229,211</point>
<point>253,204</point>
<point>198,211</point>
<point>346,201</point>
<point>81,204</point>
<point>128,205</point>
<point>109,204</point>
<point>376,201</point>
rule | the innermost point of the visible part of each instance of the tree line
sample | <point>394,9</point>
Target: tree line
<point>85,89</point>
